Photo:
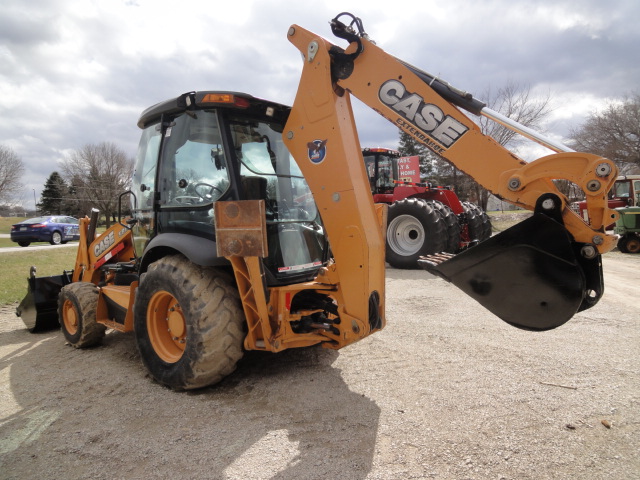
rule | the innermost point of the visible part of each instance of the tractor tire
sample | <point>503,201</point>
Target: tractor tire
<point>477,221</point>
<point>188,323</point>
<point>622,244</point>
<point>414,229</point>
<point>487,228</point>
<point>56,238</point>
<point>629,244</point>
<point>452,227</point>
<point>77,305</point>
<point>486,222</point>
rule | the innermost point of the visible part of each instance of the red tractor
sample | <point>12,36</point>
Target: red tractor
<point>423,219</point>
<point>625,193</point>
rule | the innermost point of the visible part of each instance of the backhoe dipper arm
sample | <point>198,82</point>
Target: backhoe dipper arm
<point>561,259</point>
<point>321,135</point>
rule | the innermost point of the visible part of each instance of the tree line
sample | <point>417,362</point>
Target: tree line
<point>91,177</point>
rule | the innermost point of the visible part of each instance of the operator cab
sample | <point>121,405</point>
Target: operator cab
<point>203,147</point>
<point>626,189</point>
<point>382,168</point>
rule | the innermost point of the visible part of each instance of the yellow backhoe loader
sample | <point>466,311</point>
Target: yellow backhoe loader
<point>254,228</point>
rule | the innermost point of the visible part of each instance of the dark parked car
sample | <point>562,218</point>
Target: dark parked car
<point>55,229</point>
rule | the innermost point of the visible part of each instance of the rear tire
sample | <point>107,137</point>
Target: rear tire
<point>188,323</point>
<point>77,305</point>
<point>477,221</point>
<point>622,244</point>
<point>452,227</point>
<point>629,244</point>
<point>24,244</point>
<point>414,229</point>
<point>487,229</point>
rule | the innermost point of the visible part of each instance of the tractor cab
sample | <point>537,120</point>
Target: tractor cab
<point>382,169</point>
<point>207,146</point>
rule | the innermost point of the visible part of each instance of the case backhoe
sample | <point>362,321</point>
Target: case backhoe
<point>254,227</point>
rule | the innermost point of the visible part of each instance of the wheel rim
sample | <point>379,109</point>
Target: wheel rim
<point>405,235</point>
<point>70,317</point>
<point>166,327</point>
<point>633,245</point>
<point>56,237</point>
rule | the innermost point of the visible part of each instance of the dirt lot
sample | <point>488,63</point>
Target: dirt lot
<point>446,391</point>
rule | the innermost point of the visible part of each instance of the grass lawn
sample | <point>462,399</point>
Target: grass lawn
<point>6,222</point>
<point>15,264</point>
<point>15,269</point>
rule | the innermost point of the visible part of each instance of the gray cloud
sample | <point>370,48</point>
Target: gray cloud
<point>73,73</point>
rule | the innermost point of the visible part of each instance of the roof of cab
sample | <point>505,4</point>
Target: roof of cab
<point>202,99</point>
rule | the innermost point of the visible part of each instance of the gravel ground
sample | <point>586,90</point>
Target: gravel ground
<point>446,391</point>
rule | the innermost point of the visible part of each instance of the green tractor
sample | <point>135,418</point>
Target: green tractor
<point>628,227</point>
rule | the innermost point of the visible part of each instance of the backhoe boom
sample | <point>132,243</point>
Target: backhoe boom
<point>558,257</point>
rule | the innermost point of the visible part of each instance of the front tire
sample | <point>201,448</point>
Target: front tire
<point>77,305</point>
<point>56,238</point>
<point>24,244</point>
<point>188,323</point>
<point>414,229</point>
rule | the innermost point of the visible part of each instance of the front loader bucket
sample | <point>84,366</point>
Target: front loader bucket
<point>532,276</point>
<point>39,308</point>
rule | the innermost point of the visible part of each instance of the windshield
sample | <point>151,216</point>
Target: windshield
<point>381,172</point>
<point>194,168</point>
<point>269,172</point>
<point>36,220</point>
<point>622,188</point>
<point>263,155</point>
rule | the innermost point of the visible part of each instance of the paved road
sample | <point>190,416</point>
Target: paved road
<point>36,246</point>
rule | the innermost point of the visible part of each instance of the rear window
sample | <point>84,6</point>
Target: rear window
<point>36,220</point>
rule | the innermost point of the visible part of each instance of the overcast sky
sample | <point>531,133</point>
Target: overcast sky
<point>76,72</point>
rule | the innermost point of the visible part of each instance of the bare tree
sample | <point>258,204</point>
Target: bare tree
<point>514,101</point>
<point>613,133</point>
<point>517,103</point>
<point>11,171</point>
<point>97,175</point>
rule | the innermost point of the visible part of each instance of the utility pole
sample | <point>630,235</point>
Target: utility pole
<point>35,204</point>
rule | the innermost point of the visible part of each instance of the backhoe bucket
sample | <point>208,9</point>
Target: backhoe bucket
<point>39,308</point>
<point>532,276</point>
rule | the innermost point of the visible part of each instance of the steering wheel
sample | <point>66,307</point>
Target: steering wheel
<point>206,196</point>
<point>187,200</point>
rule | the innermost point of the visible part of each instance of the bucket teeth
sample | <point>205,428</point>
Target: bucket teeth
<point>435,259</point>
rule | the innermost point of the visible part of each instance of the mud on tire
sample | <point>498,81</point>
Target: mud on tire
<point>414,229</point>
<point>77,304</point>
<point>188,323</point>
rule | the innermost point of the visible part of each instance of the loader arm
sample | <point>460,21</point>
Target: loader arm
<point>556,252</point>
